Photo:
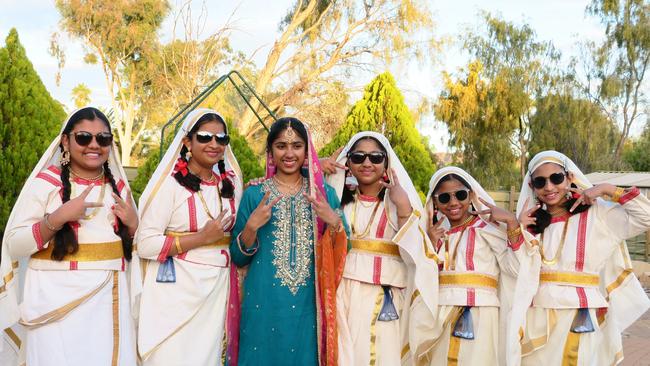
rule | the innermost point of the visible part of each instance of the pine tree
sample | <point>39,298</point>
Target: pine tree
<point>382,109</point>
<point>248,162</point>
<point>29,119</point>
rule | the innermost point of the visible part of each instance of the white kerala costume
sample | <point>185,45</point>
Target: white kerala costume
<point>478,267</point>
<point>75,311</point>
<point>184,322</point>
<point>584,264</point>
<point>385,263</point>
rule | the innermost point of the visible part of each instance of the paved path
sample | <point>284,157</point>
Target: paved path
<point>636,342</point>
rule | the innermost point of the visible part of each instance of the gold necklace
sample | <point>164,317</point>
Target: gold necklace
<point>556,257</point>
<point>205,204</point>
<point>359,194</point>
<point>372,218</point>
<point>100,201</point>
<point>451,265</point>
<point>75,174</point>
<point>293,188</point>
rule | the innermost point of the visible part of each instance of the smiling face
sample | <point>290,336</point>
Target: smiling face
<point>455,210</point>
<point>206,155</point>
<point>288,152</point>
<point>366,172</point>
<point>87,161</point>
<point>551,194</point>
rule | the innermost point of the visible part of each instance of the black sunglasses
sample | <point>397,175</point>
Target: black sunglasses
<point>555,178</point>
<point>205,137</point>
<point>84,138</point>
<point>358,157</point>
<point>460,195</point>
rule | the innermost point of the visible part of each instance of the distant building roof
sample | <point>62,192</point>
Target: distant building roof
<point>623,179</point>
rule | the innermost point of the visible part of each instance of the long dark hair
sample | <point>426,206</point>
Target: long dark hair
<point>544,217</point>
<point>348,195</point>
<point>65,240</point>
<point>191,181</point>
<point>446,178</point>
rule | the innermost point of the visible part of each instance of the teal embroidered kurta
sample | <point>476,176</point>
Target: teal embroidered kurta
<point>278,318</point>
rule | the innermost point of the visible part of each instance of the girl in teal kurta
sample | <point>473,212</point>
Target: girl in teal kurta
<point>274,236</point>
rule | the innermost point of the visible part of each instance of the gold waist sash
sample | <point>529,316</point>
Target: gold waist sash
<point>223,242</point>
<point>375,246</point>
<point>578,279</point>
<point>467,280</point>
<point>89,252</point>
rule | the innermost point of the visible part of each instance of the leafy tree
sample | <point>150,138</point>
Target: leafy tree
<point>324,40</point>
<point>382,109</point>
<point>122,37</point>
<point>618,67</point>
<point>81,95</point>
<point>29,119</point>
<point>483,142</point>
<point>576,127</point>
<point>637,156</point>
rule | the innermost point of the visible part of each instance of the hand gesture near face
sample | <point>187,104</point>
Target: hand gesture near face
<point>398,195</point>
<point>126,211</point>
<point>75,209</point>
<point>262,214</point>
<point>322,209</point>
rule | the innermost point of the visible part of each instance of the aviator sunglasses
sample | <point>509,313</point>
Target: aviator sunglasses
<point>555,178</point>
<point>460,195</point>
<point>205,137</point>
<point>84,138</point>
<point>375,157</point>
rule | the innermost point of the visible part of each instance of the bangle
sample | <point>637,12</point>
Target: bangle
<point>514,232</point>
<point>177,243</point>
<point>337,228</point>
<point>49,226</point>
<point>620,191</point>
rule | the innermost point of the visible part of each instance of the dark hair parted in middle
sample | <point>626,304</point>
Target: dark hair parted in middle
<point>282,124</point>
<point>191,181</point>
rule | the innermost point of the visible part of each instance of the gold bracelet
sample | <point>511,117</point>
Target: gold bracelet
<point>337,228</point>
<point>620,191</point>
<point>177,243</point>
<point>514,232</point>
<point>49,226</point>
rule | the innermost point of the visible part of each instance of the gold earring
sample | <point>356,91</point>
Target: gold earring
<point>65,158</point>
<point>188,155</point>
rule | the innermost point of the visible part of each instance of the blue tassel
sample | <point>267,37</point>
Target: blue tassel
<point>464,327</point>
<point>582,322</point>
<point>166,271</point>
<point>388,311</point>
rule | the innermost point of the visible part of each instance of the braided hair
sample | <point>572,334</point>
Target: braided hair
<point>348,195</point>
<point>191,181</point>
<point>544,217</point>
<point>65,240</point>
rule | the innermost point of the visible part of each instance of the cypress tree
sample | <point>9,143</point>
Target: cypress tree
<point>382,109</point>
<point>29,119</point>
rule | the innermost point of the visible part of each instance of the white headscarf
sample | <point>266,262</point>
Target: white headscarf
<point>474,186</point>
<point>549,156</point>
<point>172,154</point>
<point>337,180</point>
<point>10,270</point>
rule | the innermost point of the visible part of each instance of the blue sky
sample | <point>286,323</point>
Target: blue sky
<point>256,22</point>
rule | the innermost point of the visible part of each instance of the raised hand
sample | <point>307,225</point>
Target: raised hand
<point>262,214</point>
<point>398,195</point>
<point>329,165</point>
<point>75,209</point>
<point>435,231</point>
<point>126,211</point>
<point>497,214</point>
<point>322,209</point>
<point>254,182</point>
<point>527,216</point>
<point>213,230</point>
<point>589,195</point>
